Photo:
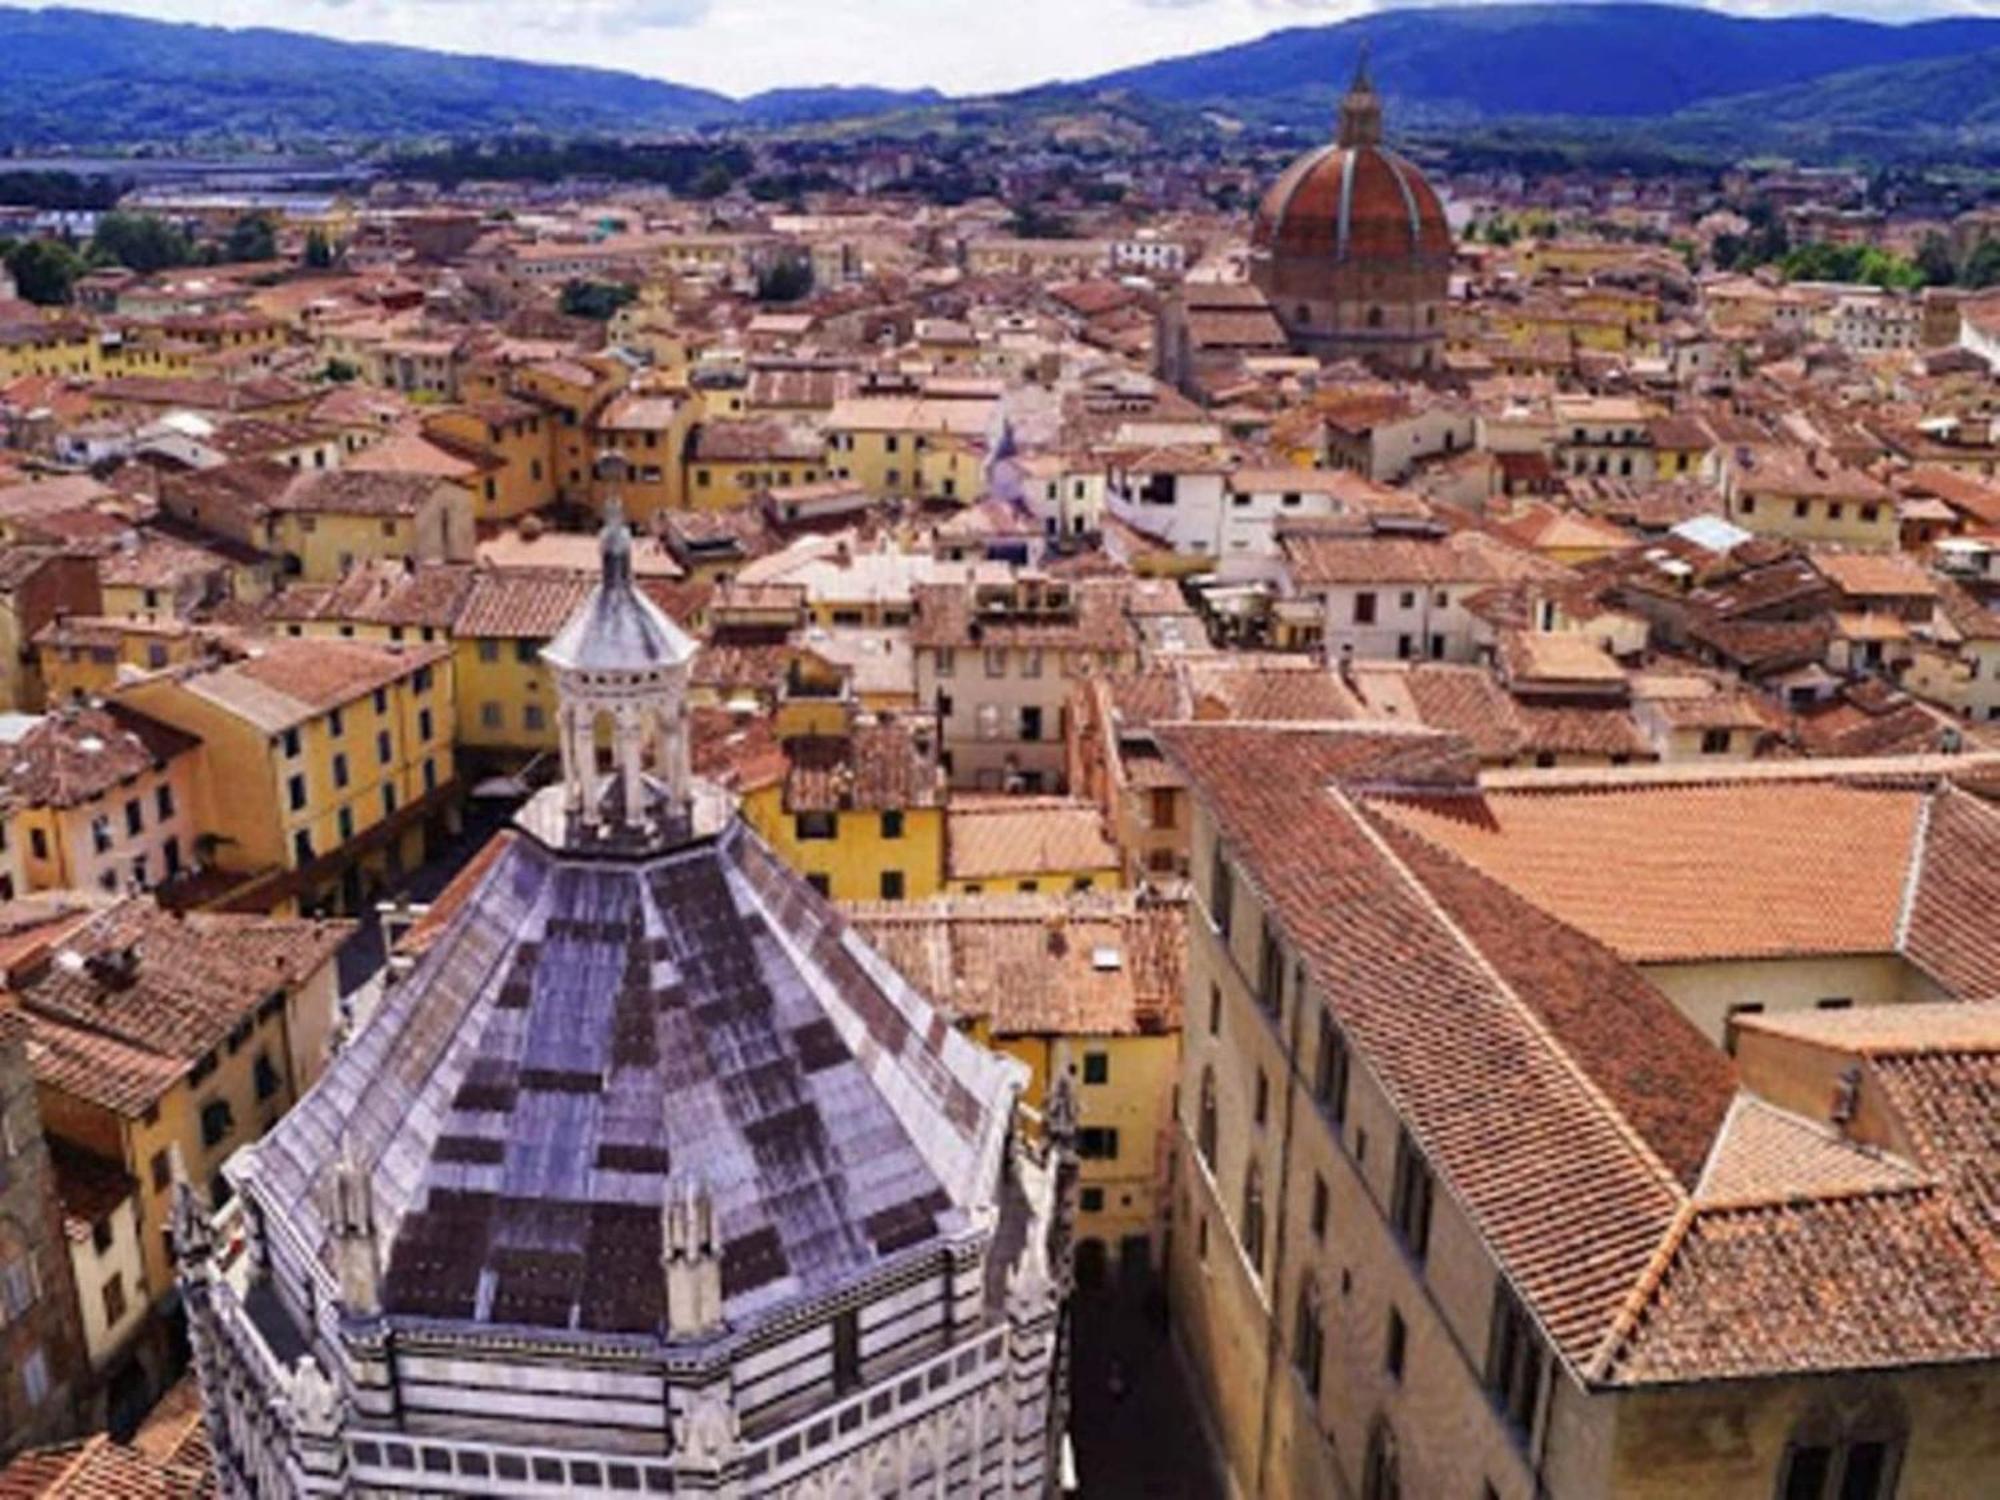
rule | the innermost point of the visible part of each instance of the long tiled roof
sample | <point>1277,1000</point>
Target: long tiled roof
<point>190,979</point>
<point>1729,870</point>
<point>994,836</point>
<point>75,755</point>
<point>285,681</point>
<point>1431,991</point>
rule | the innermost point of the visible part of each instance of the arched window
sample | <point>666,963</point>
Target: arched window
<point>1845,1453</point>
<point>1381,1475</point>
<point>1253,1217</point>
<point>1309,1333</point>
<point>1205,1127</point>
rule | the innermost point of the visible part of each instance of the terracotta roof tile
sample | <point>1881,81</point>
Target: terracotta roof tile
<point>987,837</point>
<point>1509,1120</point>
<point>1077,964</point>
<point>1734,870</point>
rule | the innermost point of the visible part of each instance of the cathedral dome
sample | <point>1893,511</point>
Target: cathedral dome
<point>1363,205</point>
<point>1352,248</point>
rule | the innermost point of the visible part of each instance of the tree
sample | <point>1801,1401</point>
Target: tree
<point>787,281</point>
<point>341,371</point>
<point>252,237</point>
<point>596,300</point>
<point>1983,269</point>
<point>1934,260</point>
<point>44,271</point>
<point>320,252</point>
<point>140,242</point>
<point>713,181</point>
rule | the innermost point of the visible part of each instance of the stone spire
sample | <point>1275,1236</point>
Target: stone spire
<point>357,1254</point>
<point>690,1259</point>
<point>1361,110</point>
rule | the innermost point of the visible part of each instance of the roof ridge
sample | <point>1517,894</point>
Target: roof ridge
<point>1922,1184</point>
<point>1537,1027</point>
<point>1540,1027</point>
<point>1630,1313</point>
<point>1913,876</point>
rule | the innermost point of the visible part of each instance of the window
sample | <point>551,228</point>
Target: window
<point>430,775</point>
<point>1031,723</point>
<point>996,661</point>
<point>290,741</point>
<point>384,747</point>
<point>162,1171</point>
<point>100,834</point>
<point>1309,1335</point>
<point>892,823</point>
<point>163,802</point>
<point>340,770</point>
<point>1845,1457</point>
<point>424,724</point>
<point>1330,1070</point>
<point>114,1300</point>
<point>216,1122</point>
<point>382,700</point>
<point>489,651</point>
<point>1398,1345</point>
<point>1205,1129</point>
<point>1215,1010</point>
<point>1031,664</point>
<point>1410,1203</point>
<point>532,718</point>
<point>1221,890</point>
<point>38,843</point>
<point>1799,509</point>
<point>35,1377</point>
<point>892,885</point>
<point>388,800</point>
<point>1097,1067</point>
<point>1364,609</point>
<point>135,817</point>
<point>1868,514</point>
<point>346,824</point>
<point>20,1286</point>
<point>846,1350</point>
<point>302,846</point>
<point>821,884</point>
<point>812,827</point>
<point>1271,971</point>
<point>1262,1111</point>
<point>947,661</point>
<point>1097,1143</point>
<point>1715,742</point>
<point>1513,1362</point>
<point>1253,1218</point>
<point>295,792</point>
<point>336,723</point>
<point>489,716</point>
<point>1381,1477</point>
<point>1163,807</point>
<point>267,1077</point>
<point>1091,1200</point>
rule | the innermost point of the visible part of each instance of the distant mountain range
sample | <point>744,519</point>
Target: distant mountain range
<point>1595,61</point>
<point>87,78</point>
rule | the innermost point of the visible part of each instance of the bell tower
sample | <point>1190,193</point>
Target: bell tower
<point>621,670</point>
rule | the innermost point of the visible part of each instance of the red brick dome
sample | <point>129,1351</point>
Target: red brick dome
<point>1360,205</point>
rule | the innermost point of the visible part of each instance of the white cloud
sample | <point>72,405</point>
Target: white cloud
<point>741,46</point>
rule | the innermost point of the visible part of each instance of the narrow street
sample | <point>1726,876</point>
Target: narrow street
<point>1137,1435</point>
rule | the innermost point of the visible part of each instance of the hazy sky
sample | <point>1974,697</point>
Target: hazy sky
<point>740,46</point>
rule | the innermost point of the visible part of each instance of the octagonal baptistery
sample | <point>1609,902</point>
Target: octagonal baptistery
<point>649,1177</point>
<point>1352,249</point>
